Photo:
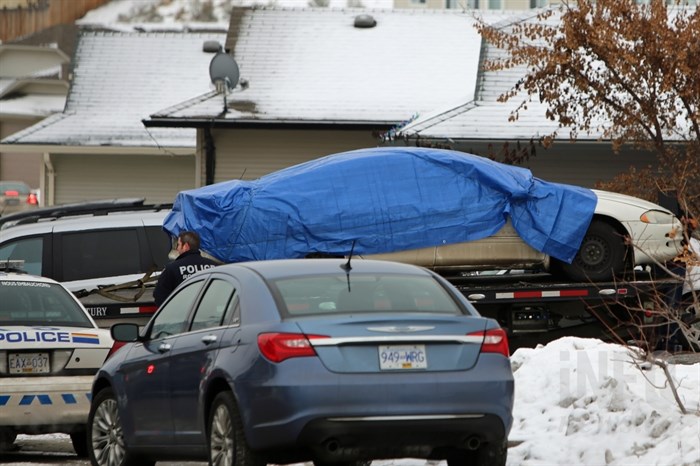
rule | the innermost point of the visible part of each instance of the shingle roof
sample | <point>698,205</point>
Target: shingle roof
<point>486,118</point>
<point>118,80</point>
<point>312,65</point>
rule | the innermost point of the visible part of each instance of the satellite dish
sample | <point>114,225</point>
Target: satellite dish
<point>223,71</point>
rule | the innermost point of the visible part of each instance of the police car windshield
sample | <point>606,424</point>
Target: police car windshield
<point>38,303</point>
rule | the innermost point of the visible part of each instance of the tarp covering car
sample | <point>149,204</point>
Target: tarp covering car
<point>382,200</point>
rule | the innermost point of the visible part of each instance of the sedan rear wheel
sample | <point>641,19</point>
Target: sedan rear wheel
<point>105,440</point>
<point>227,444</point>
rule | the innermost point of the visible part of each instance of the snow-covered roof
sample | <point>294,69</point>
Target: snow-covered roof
<point>484,118</point>
<point>312,65</point>
<point>118,80</point>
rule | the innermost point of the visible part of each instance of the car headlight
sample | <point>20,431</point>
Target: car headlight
<point>656,217</point>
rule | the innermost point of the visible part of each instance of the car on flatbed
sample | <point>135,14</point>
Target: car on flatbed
<point>50,349</point>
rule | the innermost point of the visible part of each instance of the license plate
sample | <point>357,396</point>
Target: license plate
<point>398,357</point>
<point>29,363</point>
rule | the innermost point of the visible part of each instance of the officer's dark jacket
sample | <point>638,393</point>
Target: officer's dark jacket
<point>186,264</point>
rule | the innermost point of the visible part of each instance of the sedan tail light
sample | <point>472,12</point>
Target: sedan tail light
<point>495,341</point>
<point>280,346</point>
<point>11,192</point>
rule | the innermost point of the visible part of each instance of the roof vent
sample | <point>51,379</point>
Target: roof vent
<point>365,21</point>
<point>212,46</point>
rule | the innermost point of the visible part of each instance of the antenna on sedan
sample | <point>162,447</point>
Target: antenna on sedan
<point>346,266</point>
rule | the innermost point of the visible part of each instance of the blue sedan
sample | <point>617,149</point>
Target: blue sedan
<point>334,361</point>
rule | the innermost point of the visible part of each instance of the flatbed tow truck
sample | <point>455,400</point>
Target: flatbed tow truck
<point>536,308</point>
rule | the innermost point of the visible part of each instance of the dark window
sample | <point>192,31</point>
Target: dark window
<point>172,317</point>
<point>27,249</point>
<point>37,303</point>
<point>328,294</point>
<point>159,242</point>
<point>214,303</point>
<point>95,254</point>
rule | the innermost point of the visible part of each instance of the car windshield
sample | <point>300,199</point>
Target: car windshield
<point>366,293</point>
<point>39,303</point>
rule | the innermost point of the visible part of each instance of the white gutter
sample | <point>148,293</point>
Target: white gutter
<point>117,150</point>
<point>47,181</point>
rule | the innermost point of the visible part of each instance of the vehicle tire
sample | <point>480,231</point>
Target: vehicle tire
<point>225,437</point>
<point>601,256</point>
<point>80,443</point>
<point>105,439</point>
<point>7,439</point>
<point>492,454</point>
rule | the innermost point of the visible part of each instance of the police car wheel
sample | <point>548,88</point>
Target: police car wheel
<point>80,443</point>
<point>7,438</point>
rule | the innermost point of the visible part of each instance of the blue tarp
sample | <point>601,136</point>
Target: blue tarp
<point>385,199</point>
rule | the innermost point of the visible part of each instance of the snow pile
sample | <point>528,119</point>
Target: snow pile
<point>582,401</point>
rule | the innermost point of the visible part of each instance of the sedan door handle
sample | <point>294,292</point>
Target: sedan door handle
<point>164,347</point>
<point>208,339</point>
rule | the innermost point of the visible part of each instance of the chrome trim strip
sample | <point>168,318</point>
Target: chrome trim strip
<point>463,339</point>
<point>425,417</point>
<point>401,328</point>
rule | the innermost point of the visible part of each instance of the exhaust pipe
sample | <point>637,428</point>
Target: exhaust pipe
<point>473,443</point>
<point>331,445</point>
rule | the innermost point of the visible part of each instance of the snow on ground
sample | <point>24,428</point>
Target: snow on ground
<point>585,402</point>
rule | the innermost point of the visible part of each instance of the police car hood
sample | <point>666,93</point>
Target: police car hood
<point>53,337</point>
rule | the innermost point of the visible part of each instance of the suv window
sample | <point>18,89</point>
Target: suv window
<point>99,253</point>
<point>29,250</point>
<point>160,244</point>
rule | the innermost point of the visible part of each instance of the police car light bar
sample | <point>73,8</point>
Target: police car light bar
<point>15,265</point>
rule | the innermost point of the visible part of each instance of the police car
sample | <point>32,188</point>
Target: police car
<point>50,349</point>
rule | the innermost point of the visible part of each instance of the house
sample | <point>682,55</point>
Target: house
<point>320,81</point>
<point>32,87</point>
<point>97,147</point>
<point>311,82</point>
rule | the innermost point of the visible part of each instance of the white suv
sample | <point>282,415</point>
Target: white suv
<point>107,253</point>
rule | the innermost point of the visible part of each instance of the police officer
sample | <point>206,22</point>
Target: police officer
<point>189,261</point>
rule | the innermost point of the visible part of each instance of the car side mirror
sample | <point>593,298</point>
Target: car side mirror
<point>125,332</point>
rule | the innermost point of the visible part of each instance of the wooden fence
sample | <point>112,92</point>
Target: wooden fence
<point>20,18</point>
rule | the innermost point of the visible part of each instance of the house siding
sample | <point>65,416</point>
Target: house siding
<point>83,177</point>
<point>250,153</point>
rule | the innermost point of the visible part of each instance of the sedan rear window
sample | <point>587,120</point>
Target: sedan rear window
<point>341,294</point>
<point>39,303</point>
